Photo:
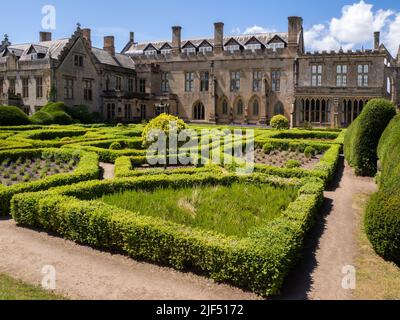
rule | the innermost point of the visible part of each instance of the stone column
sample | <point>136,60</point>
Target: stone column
<point>335,112</point>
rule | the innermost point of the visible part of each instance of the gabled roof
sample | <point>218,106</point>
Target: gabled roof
<point>263,38</point>
<point>188,44</point>
<point>253,40</point>
<point>149,47</point>
<point>166,45</point>
<point>232,41</point>
<point>275,39</point>
<point>205,43</point>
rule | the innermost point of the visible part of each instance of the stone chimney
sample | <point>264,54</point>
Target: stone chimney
<point>218,37</point>
<point>44,36</point>
<point>132,37</point>
<point>87,35</point>
<point>176,39</point>
<point>377,40</point>
<point>109,45</point>
<point>295,27</point>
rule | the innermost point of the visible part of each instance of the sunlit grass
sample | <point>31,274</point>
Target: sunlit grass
<point>229,210</point>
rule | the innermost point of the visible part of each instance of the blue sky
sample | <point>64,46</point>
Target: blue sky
<point>327,23</point>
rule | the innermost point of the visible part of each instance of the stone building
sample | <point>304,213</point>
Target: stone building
<point>243,79</point>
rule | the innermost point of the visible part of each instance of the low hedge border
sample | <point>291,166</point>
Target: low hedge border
<point>124,167</point>
<point>259,262</point>
<point>87,169</point>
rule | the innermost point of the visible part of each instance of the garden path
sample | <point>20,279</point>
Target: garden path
<point>85,273</point>
<point>107,170</point>
<point>332,244</point>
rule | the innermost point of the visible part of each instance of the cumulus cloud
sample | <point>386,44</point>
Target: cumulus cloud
<point>257,29</point>
<point>354,28</point>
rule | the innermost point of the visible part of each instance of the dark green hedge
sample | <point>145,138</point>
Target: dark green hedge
<point>42,118</point>
<point>382,220</point>
<point>363,136</point>
<point>13,116</point>
<point>259,262</point>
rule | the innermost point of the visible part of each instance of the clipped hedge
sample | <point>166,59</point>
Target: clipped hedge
<point>259,262</point>
<point>87,169</point>
<point>13,116</point>
<point>382,219</point>
<point>42,118</point>
<point>362,137</point>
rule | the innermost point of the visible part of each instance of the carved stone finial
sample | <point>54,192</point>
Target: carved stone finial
<point>78,26</point>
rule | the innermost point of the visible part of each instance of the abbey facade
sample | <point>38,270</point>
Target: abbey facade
<point>224,80</point>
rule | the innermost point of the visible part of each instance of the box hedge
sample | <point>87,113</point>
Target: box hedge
<point>363,136</point>
<point>382,219</point>
<point>259,262</point>
<point>13,116</point>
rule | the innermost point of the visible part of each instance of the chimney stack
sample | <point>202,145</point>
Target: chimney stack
<point>87,35</point>
<point>176,39</point>
<point>218,37</point>
<point>377,40</point>
<point>295,27</point>
<point>109,45</point>
<point>132,37</point>
<point>44,36</point>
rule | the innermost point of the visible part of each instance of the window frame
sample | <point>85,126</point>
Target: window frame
<point>276,75</point>
<point>235,81</point>
<point>39,87</point>
<point>204,81</point>
<point>189,81</point>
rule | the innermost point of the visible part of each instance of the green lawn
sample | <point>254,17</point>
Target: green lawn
<point>228,210</point>
<point>11,289</point>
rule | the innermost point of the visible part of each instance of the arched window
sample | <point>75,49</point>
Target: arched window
<point>239,107</point>
<point>279,109</point>
<point>199,111</point>
<point>256,108</point>
<point>225,107</point>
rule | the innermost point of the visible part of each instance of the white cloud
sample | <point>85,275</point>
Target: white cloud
<point>257,29</point>
<point>354,28</point>
<point>392,37</point>
<point>236,30</point>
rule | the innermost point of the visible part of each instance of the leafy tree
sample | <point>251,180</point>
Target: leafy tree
<point>280,122</point>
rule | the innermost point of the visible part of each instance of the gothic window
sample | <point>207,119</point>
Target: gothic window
<point>165,82</point>
<point>204,81</point>
<point>189,81</point>
<point>225,107</point>
<point>239,108</point>
<point>199,111</point>
<point>362,78</point>
<point>256,108</point>
<point>279,109</point>
<point>341,75</point>
<point>68,88</point>
<point>257,81</point>
<point>276,80</point>
<point>235,81</point>
<point>25,87</point>
<point>316,75</point>
<point>39,87</point>
<point>131,85</point>
<point>118,83</point>
<point>87,90</point>
<point>142,85</point>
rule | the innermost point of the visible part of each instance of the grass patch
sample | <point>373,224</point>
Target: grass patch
<point>11,289</point>
<point>232,211</point>
<point>377,279</point>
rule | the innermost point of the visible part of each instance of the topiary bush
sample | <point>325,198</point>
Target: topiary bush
<point>382,219</point>
<point>42,118</point>
<point>280,122</point>
<point>13,116</point>
<point>291,164</point>
<point>309,152</point>
<point>115,146</point>
<point>81,113</point>
<point>62,118</point>
<point>268,148</point>
<point>163,123</point>
<point>362,137</point>
<point>52,107</point>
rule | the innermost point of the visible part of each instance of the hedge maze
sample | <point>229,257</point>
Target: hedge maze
<point>68,198</point>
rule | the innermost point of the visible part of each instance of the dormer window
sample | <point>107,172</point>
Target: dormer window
<point>165,51</point>
<point>276,45</point>
<point>232,48</point>
<point>150,52</point>
<point>253,46</point>
<point>206,49</point>
<point>189,50</point>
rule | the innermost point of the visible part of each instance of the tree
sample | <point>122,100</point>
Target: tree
<point>280,122</point>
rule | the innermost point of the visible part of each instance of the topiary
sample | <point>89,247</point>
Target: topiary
<point>115,146</point>
<point>62,118</point>
<point>80,113</point>
<point>163,123</point>
<point>42,117</point>
<point>280,122</point>
<point>13,116</point>
<point>54,107</point>
<point>268,148</point>
<point>362,137</point>
<point>382,224</point>
<point>309,152</point>
<point>291,164</point>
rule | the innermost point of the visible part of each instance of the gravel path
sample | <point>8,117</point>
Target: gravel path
<point>107,170</point>
<point>85,273</point>
<point>332,244</point>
